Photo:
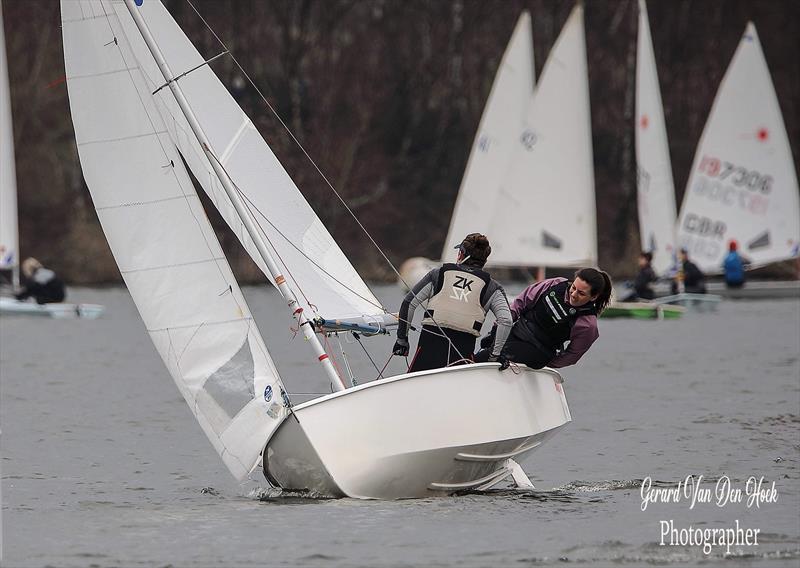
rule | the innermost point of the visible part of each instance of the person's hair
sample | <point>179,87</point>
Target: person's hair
<point>29,266</point>
<point>648,256</point>
<point>476,247</point>
<point>600,283</point>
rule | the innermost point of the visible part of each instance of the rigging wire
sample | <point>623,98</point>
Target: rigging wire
<point>322,175</point>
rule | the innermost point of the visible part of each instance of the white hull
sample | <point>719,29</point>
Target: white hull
<point>419,434</point>
<point>10,306</point>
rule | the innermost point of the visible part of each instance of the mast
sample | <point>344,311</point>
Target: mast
<point>280,281</point>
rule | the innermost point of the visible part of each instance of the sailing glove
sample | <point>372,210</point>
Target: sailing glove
<point>400,347</point>
<point>504,363</point>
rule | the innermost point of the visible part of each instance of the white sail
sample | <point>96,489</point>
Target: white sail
<point>656,191</point>
<point>548,194</point>
<point>743,184</point>
<point>9,248</point>
<point>163,243</point>
<point>477,208</point>
<point>310,258</point>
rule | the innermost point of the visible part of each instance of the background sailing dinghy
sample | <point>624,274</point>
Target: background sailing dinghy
<point>655,188</point>
<point>743,184</point>
<point>643,310</point>
<point>9,234</point>
<point>412,435</point>
<point>479,201</point>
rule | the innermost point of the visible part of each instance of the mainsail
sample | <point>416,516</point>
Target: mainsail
<point>477,208</point>
<point>9,251</point>
<point>743,184</point>
<point>656,191</point>
<point>165,248</point>
<point>299,242</point>
<point>547,196</point>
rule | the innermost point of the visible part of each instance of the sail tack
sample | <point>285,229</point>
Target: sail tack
<point>162,241</point>
<point>477,205</point>
<point>655,188</point>
<point>548,193</point>
<point>302,246</point>
<point>9,240</point>
<point>743,184</point>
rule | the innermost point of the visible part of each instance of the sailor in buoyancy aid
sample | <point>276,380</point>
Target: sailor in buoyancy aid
<point>551,313</point>
<point>40,283</point>
<point>733,266</point>
<point>459,296</point>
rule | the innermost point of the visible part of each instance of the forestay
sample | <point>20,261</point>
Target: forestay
<point>163,243</point>
<point>656,191</point>
<point>477,207</point>
<point>9,252</point>
<point>309,257</point>
<point>548,193</point>
<point>743,184</point>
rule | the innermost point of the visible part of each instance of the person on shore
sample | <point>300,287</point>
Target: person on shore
<point>645,276</point>
<point>459,296</point>
<point>41,283</point>
<point>733,266</point>
<point>694,281</point>
<point>556,320</point>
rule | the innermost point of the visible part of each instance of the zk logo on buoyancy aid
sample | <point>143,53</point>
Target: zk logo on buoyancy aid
<point>457,301</point>
<point>551,318</point>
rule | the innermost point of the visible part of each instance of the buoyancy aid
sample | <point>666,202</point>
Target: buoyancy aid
<point>548,323</point>
<point>734,268</point>
<point>458,298</point>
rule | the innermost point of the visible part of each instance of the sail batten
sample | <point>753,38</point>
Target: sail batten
<point>164,245</point>
<point>743,184</point>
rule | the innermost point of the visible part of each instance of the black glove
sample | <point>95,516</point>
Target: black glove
<point>488,341</point>
<point>400,347</point>
<point>482,356</point>
<point>504,363</point>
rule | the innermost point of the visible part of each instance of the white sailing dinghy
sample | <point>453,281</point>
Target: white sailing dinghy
<point>9,233</point>
<point>543,212</point>
<point>655,188</point>
<point>546,205</point>
<point>142,98</point>
<point>743,184</point>
<point>477,203</point>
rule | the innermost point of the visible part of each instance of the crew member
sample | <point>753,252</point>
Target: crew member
<point>459,296</point>
<point>556,320</point>
<point>694,281</point>
<point>733,266</point>
<point>41,283</point>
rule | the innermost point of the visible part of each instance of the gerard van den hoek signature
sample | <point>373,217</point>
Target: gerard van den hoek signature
<point>690,490</point>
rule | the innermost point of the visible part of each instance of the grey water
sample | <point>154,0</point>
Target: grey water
<point>104,465</point>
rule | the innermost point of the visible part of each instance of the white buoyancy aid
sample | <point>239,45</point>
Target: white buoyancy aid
<point>457,301</point>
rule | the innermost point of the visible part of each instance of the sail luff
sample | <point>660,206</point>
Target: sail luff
<point>244,216</point>
<point>9,232</point>
<point>655,188</point>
